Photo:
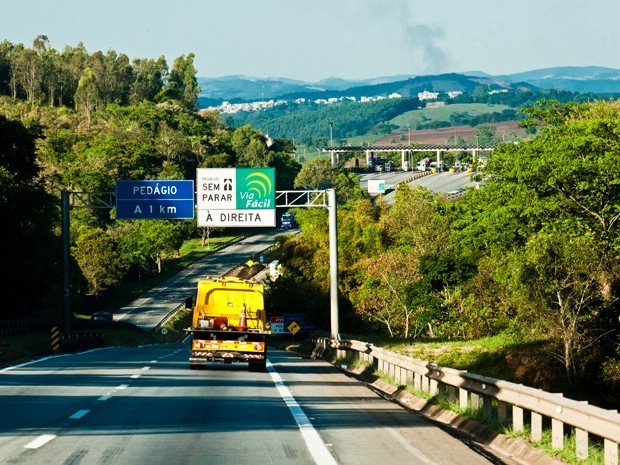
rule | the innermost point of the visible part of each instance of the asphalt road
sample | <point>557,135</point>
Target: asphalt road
<point>440,183</point>
<point>148,310</point>
<point>143,406</point>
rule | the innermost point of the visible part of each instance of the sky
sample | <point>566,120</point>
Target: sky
<point>311,40</point>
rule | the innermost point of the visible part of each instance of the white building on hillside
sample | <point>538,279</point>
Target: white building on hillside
<point>426,95</point>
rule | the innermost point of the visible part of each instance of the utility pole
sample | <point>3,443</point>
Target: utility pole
<point>331,139</point>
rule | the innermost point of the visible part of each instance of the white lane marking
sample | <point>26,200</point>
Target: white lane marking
<point>153,361</point>
<point>105,397</point>
<point>146,368</point>
<point>32,362</point>
<point>316,447</point>
<point>122,386</point>
<point>135,376</point>
<point>79,414</point>
<point>186,338</point>
<point>40,441</point>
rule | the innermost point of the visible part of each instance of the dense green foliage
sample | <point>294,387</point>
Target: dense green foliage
<point>536,252</point>
<point>80,127</point>
<point>75,78</point>
<point>309,123</point>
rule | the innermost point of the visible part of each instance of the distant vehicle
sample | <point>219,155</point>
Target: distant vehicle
<point>441,167</point>
<point>460,166</point>
<point>378,167</point>
<point>422,165</point>
<point>102,316</point>
<point>287,221</point>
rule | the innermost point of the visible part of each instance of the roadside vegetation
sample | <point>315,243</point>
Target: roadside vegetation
<point>529,262</point>
<point>528,265</point>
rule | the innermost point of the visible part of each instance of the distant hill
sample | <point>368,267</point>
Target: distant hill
<point>236,89</point>
<point>594,79</point>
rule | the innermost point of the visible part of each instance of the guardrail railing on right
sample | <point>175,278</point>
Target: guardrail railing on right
<point>501,399</point>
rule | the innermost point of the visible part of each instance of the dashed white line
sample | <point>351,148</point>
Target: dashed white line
<point>122,386</point>
<point>135,376</point>
<point>105,397</point>
<point>315,444</point>
<point>146,368</point>
<point>79,414</point>
<point>40,441</point>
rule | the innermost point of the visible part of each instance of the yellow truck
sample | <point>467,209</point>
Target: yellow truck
<point>229,323</point>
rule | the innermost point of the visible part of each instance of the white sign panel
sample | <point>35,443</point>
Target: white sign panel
<point>235,197</point>
<point>376,186</point>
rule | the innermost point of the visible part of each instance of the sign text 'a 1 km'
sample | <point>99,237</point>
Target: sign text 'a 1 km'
<point>236,197</point>
<point>155,200</point>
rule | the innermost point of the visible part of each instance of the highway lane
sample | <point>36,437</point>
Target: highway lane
<point>150,308</point>
<point>143,406</point>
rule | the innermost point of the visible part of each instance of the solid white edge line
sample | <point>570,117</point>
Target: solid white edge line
<point>316,446</point>
<point>40,441</point>
<point>32,362</point>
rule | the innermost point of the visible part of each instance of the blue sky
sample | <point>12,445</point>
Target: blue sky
<point>314,39</point>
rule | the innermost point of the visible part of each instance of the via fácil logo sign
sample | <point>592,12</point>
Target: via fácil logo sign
<point>256,188</point>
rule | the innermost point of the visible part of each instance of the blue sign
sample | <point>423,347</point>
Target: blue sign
<point>161,200</point>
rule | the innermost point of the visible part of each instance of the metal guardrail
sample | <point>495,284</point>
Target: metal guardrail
<point>167,318</point>
<point>501,400</point>
<point>27,325</point>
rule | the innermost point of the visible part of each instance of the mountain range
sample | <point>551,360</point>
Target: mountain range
<point>239,88</point>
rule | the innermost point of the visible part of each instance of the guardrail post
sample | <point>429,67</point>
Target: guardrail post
<point>557,434</point>
<point>474,400</point>
<point>463,398</point>
<point>536,426</point>
<point>452,393</point>
<point>581,444</point>
<point>424,385</point>
<point>487,407</point>
<point>502,411</point>
<point>433,387</point>
<point>417,381</point>
<point>517,418</point>
<point>611,452</point>
<point>557,430</point>
<point>409,377</point>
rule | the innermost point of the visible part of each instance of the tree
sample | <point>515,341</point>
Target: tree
<point>100,263</point>
<point>250,147</point>
<point>148,242</point>
<point>548,219</point>
<point>148,82</point>
<point>560,273</point>
<point>28,214</point>
<point>414,222</point>
<point>183,80</point>
<point>384,293</point>
<point>87,95</point>
<point>315,174</point>
<point>26,73</point>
